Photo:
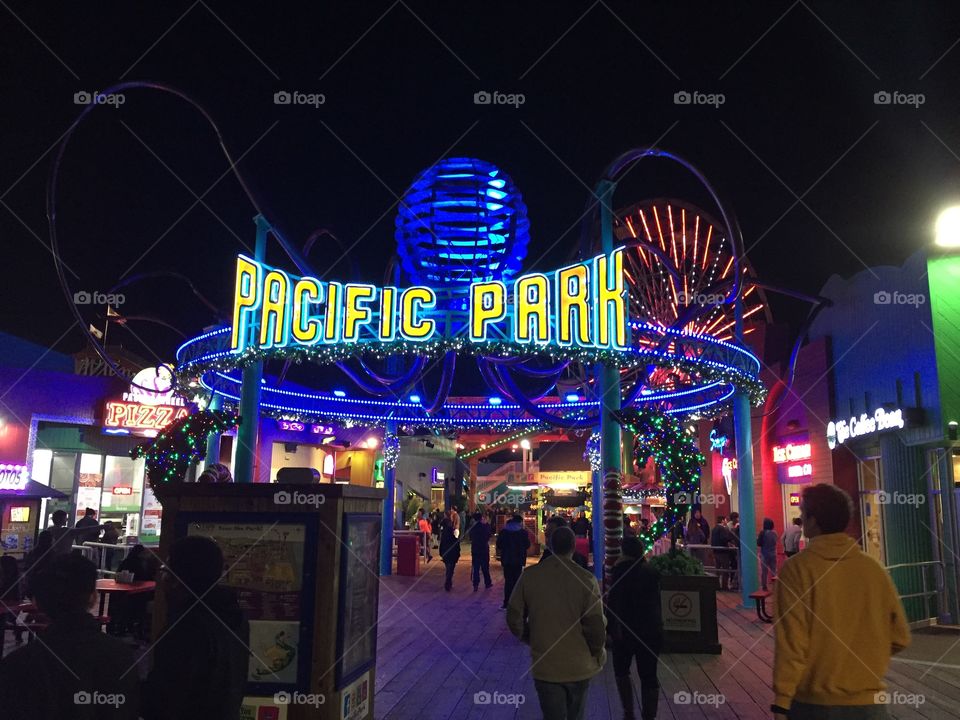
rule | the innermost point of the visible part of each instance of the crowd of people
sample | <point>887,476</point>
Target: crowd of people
<point>554,605</point>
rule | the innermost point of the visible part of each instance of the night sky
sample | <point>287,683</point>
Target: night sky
<point>798,120</point>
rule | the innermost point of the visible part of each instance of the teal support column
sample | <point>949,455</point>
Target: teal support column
<point>213,439</point>
<point>597,524</point>
<point>611,457</point>
<point>386,533</point>
<point>743,432</point>
<point>250,389</point>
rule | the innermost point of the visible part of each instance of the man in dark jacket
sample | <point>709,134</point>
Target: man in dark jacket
<point>512,545</point>
<point>91,528</point>
<point>72,670</point>
<point>200,662</point>
<point>636,628</point>
<point>722,537</point>
<point>480,533</point>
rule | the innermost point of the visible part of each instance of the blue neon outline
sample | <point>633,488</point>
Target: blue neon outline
<point>304,312</point>
<point>574,336</point>
<point>516,311</point>
<point>415,306</point>
<point>366,309</point>
<point>503,287</point>
<point>244,331</point>
<point>273,320</point>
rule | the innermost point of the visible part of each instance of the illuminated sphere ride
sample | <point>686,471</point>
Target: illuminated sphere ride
<point>462,225</point>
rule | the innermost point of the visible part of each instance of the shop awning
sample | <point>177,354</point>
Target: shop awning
<point>31,490</point>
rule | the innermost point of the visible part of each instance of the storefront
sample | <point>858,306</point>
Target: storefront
<point>20,500</point>
<point>73,433</point>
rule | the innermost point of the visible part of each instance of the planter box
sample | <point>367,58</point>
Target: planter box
<point>689,607</point>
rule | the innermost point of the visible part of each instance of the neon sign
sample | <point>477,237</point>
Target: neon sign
<point>726,469</point>
<point>135,417</point>
<point>839,431</point>
<point>582,304</point>
<point>122,490</point>
<point>13,477</point>
<point>800,471</point>
<point>718,442</point>
<point>791,452</point>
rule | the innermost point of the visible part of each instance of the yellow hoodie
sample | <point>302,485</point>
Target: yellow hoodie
<point>839,620</point>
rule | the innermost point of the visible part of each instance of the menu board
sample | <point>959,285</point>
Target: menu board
<point>265,567</point>
<point>359,595</point>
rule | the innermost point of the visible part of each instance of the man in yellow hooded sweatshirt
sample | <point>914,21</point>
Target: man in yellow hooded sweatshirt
<point>839,619</point>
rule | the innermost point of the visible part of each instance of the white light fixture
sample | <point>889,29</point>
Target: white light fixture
<point>525,444</point>
<point>948,228</point>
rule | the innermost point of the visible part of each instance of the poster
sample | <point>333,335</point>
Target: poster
<point>680,610</point>
<point>152,515</point>
<point>264,564</point>
<point>359,595</point>
<point>88,496</point>
<point>274,646</point>
<point>355,699</point>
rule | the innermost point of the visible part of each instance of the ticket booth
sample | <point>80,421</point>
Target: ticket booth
<point>304,561</point>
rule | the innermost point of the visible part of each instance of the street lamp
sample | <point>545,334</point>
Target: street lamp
<point>948,228</point>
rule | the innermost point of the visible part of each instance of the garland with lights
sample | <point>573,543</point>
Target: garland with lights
<point>501,441</point>
<point>391,450</point>
<point>704,370</point>
<point>181,445</point>
<point>592,452</point>
<point>677,457</point>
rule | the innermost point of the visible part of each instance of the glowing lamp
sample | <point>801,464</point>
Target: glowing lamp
<point>572,397</point>
<point>525,444</point>
<point>414,398</point>
<point>495,400</point>
<point>339,393</point>
<point>948,228</point>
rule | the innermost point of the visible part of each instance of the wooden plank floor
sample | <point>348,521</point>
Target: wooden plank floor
<point>437,650</point>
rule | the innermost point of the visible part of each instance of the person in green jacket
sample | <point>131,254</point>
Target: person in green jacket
<point>556,609</point>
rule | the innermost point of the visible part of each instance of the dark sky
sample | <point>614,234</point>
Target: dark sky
<point>798,119</point>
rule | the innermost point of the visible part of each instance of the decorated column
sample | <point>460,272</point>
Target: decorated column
<point>213,439</point>
<point>748,517</point>
<point>391,452</point>
<point>246,455</point>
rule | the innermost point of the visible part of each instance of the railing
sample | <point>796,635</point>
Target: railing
<point>938,586</point>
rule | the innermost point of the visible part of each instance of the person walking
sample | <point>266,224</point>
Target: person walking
<point>435,522</point>
<point>512,545</point>
<point>767,543</point>
<point>556,609</point>
<point>449,551</point>
<point>62,536</point>
<point>636,628</point>
<point>552,524</point>
<point>72,661</point>
<point>423,525</point>
<point>696,536</point>
<point>723,542</point>
<point>581,526</point>
<point>480,533</point>
<point>791,538</point>
<point>201,659</point>
<point>456,520</point>
<point>830,657</point>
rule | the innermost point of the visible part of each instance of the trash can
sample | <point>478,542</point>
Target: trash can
<point>408,554</point>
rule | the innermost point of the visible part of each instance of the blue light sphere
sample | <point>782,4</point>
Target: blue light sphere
<point>462,220</point>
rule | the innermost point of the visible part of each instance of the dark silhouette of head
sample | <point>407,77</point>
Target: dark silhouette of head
<point>67,586</point>
<point>59,518</point>
<point>767,524</point>
<point>196,562</point>
<point>562,541</point>
<point>632,547</point>
<point>90,513</point>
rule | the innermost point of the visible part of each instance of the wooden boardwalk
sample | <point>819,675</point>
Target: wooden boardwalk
<point>436,650</point>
